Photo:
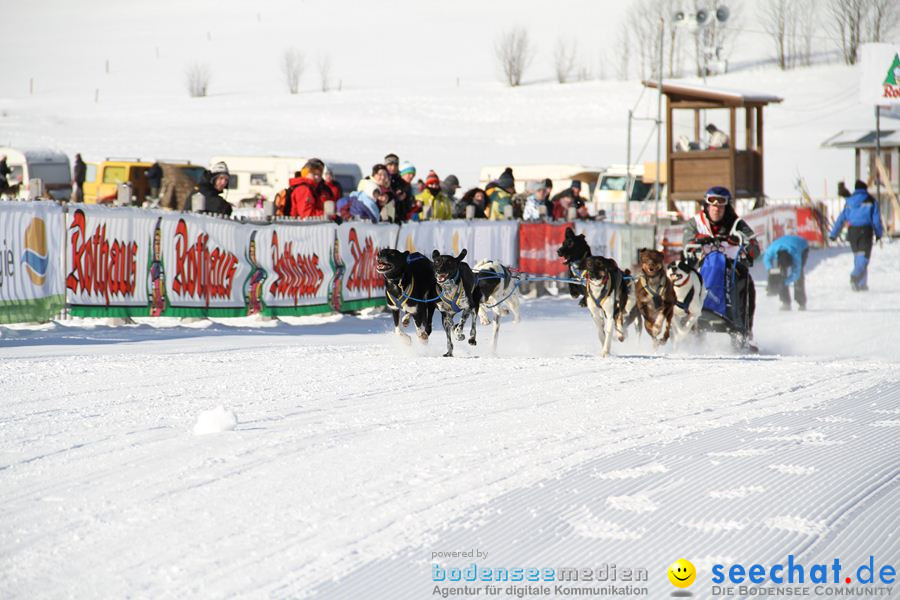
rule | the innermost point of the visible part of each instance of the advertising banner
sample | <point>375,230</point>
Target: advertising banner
<point>880,74</point>
<point>109,256</point>
<point>772,222</point>
<point>204,269</point>
<point>31,270</point>
<point>291,269</point>
<point>538,243</point>
<point>359,285</point>
<point>481,239</point>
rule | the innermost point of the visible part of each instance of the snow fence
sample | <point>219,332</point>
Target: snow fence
<point>100,261</point>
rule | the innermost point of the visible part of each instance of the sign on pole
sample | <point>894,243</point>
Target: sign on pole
<point>880,80</point>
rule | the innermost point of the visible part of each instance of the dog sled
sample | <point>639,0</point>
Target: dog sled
<point>730,299</point>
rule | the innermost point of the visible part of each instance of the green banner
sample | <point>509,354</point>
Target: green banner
<point>26,311</point>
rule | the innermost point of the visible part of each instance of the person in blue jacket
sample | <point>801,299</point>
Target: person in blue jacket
<point>864,219</point>
<point>785,258</point>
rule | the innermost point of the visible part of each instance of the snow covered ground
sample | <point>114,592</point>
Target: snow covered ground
<point>417,78</point>
<point>354,458</point>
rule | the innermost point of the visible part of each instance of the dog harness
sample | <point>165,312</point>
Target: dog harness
<point>686,302</point>
<point>398,304</point>
<point>451,304</point>
<point>655,294</point>
<point>606,289</point>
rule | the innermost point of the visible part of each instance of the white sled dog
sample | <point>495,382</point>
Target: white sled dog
<point>690,294</point>
<point>499,294</point>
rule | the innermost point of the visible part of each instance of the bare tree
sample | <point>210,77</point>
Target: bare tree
<point>564,57</point>
<point>515,53</point>
<point>623,45</point>
<point>846,22</point>
<point>778,18</point>
<point>198,76</point>
<point>883,18</point>
<point>324,66</point>
<point>292,66</point>
<point>807,24</point>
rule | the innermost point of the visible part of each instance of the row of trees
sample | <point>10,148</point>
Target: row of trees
<point>292,65</point>
<point>798,29</point>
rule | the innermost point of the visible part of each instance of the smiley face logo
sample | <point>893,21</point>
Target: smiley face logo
<point>682,573</point>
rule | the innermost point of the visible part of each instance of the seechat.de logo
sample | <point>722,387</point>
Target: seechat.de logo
<point>35,256</point>
<point>682,573</point>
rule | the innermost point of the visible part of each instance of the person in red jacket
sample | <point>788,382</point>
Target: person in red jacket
<point>309,195</point>
<point>333,185</point>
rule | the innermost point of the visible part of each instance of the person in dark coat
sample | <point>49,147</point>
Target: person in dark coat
<point>79,172</point>
<point>862,215</point>
<point>208,197</point>
<point>154,179</point>
<point>5,172</point>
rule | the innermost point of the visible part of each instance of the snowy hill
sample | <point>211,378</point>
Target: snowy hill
<point>417,78</point>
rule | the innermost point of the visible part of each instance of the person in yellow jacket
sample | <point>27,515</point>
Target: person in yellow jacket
<point>435,205</point>
<point>500,195</point>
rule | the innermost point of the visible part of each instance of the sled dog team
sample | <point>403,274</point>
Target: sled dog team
<point>666,299</point>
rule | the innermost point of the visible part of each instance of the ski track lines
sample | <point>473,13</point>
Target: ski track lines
<point>319,480</point>
<point>570,521</point>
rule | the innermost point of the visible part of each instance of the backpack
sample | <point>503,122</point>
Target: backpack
<point>284,199</point>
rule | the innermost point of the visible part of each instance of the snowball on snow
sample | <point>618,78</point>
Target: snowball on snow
<point>216,420</point>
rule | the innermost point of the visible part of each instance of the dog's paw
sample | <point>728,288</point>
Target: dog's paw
<point>472,341</point>
<point>405,338</point>
<point>448,354</point>
<point>620,337</point>
<point>583,302</point>
<point>405,320</point>
<point>423,337</point>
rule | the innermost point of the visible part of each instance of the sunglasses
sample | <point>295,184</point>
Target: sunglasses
<point>716,201</point>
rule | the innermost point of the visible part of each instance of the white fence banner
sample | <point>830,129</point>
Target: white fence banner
<point>31,270</point>
<point>360,285</point>
<point>204,266</point>
<point>481,239</point>
<point>292,269</point>
<point>109,252</point>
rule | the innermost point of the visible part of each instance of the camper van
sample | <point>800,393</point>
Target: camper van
<point>626,195</point>
<point>253,176</point>
<point>561,175</point>
<point>50,166</point>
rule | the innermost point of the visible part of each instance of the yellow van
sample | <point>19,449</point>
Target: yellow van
<point>102,179</point>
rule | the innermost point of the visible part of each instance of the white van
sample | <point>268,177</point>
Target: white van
<point>267,175</point>
<point>618,183</point>
<point>50,166</point>
<point>561,175</point>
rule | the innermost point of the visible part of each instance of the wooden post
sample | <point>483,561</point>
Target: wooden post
<point>669,127</point>
<point>759,147</point>
<point>748,127</point>
<point>731,153</point>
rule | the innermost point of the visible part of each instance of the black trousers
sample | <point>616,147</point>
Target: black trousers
<point>860,238</point>
<point>786,265</point>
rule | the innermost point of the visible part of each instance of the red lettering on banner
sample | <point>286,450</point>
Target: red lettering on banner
<point>297,276</point>
<point>538,243</point>
<point>363,275</point>
<point>100,266</point>
<point>891,91</point>
<point>200,273</point>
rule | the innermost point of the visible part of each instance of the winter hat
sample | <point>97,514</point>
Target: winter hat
<point>534,186</point>
<point>576,184</point>
<point>391,159</point>
<point>451,181</point>
<point>432,179</point>
<point>548,183</point>
<point>407,168</point>
<point>220,168</point>
<point>506,180</point>
<point>860,185</point>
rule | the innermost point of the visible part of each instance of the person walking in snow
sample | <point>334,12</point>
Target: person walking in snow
<point>863,218</point>
<point>79,173</point>
<point>785,259</point>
